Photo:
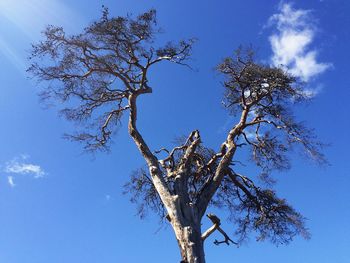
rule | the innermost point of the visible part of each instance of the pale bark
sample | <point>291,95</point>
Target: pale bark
<point>184,216</point>
<point>187,227</point>
<point>150,159</point>
<point>190,244</point>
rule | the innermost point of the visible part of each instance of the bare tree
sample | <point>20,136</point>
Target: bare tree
<point>100,74</point>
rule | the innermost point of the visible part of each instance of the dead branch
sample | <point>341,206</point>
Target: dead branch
<point>216,226</point>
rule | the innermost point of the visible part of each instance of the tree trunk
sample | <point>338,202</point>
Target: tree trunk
<point>190,242</point>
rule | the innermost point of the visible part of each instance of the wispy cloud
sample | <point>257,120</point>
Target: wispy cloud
<point>10,181</point>
<point>312,92</point>
<point>291,42</point>
<point>21,166</point>
<point>24,168</point>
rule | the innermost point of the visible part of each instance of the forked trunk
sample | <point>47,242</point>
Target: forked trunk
<point>190,243</point>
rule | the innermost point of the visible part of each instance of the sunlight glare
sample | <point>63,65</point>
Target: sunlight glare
<point>31,16</point>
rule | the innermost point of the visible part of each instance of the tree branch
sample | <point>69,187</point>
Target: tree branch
<point>212,184</point>
<point>216,226</point>
<point>150,159</point>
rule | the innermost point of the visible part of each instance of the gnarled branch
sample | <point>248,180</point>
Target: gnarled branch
<point>216,226</point>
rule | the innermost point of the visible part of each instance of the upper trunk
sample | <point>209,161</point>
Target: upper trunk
<point>190,242</point>
<point>187,227</point>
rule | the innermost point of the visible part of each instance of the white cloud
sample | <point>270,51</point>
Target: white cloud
<point>313,91</point>
<point>10,181</point>
<point>20,165</point>
<point>291,43</point>
<point>288,44</point>
<point>307,66</point>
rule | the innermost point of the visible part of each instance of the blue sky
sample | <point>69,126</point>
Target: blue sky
<point>59,205</point>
